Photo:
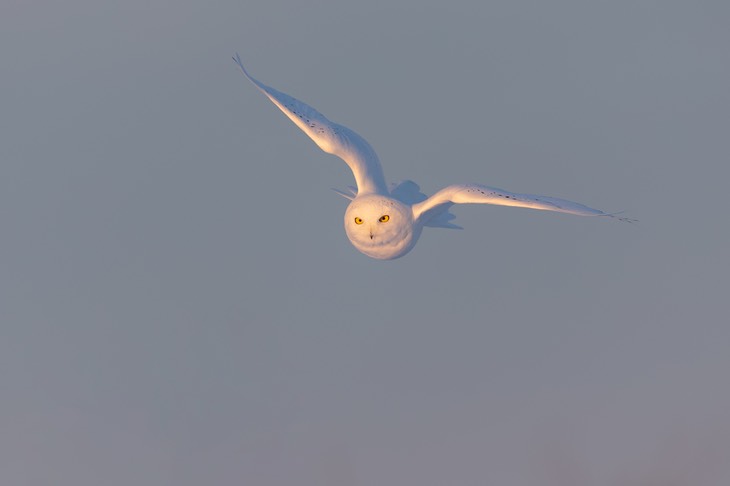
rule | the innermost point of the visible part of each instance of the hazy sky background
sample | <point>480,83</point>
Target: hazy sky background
<point>179,304</point>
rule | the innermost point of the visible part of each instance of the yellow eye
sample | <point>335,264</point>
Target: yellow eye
<point>358,220</point>
<point>384,218</point>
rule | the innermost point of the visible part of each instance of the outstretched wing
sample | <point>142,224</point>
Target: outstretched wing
<point>478,194</point>
<point>332,138</point>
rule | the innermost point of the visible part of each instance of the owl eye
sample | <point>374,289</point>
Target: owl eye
<point>358,220</point>
<point>384,218</point>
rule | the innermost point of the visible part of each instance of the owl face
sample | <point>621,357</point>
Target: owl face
<point>380,227</point>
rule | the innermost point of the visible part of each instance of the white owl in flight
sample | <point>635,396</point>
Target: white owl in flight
<point>385,222</point>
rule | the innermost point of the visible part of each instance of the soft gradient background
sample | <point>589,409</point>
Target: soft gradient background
<point>179,304</point>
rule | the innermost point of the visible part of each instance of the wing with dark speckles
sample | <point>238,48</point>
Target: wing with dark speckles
<point>478,194</point>
<point>329,136</point>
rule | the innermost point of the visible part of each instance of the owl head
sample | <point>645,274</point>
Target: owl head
<point>380,227</point>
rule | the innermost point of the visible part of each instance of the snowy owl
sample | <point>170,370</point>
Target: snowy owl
<point>383,221</point>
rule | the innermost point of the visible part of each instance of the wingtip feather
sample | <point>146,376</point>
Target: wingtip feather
<point>237,60</point>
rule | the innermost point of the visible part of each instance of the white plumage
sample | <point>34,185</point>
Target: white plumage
<point>385,222</point>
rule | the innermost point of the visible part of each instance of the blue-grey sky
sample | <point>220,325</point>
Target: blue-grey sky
<point>179,304</point>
